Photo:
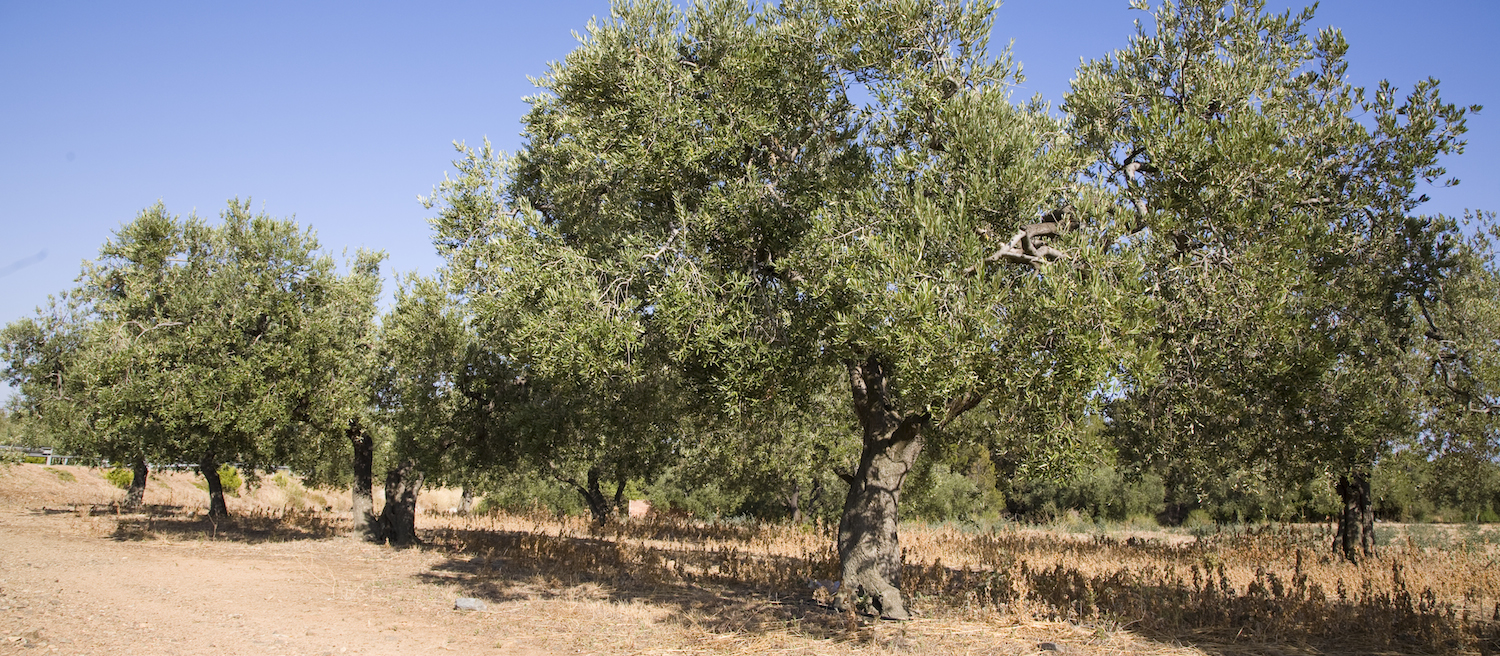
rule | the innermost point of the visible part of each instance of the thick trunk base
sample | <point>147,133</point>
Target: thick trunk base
<point>363,494</point>
<point>398,520</point>
<point>210,470</point>
<point>1355,538</point>
<point>135,495</point>
<point>600,509</point>
<point>869,547</point>
<point>466,501</point>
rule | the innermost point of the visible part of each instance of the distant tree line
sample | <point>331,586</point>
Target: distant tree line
<point>737,237</point>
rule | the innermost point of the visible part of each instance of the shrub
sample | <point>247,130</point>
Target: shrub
<point>120,477</point>
<point>229,477</point>
<point>523,492</point>
<point>1198,518</point>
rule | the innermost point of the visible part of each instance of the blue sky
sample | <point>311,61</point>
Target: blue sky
<point>342,113</point>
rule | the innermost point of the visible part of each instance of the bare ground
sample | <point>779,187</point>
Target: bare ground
<point>78,578</point>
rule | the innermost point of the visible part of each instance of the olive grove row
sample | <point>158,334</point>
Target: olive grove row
<point>768,243</point>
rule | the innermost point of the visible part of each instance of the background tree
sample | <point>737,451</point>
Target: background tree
<point>341,417</point>
<point>190,342</point>
<point>1277,232</point>
<point>449,402</point>
<point>1459,364</point>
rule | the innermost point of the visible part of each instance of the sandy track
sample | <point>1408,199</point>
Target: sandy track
<point>67,587</point>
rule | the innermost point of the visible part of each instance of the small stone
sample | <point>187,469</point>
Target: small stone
<point>1051,646</point>
<point>468,603</point>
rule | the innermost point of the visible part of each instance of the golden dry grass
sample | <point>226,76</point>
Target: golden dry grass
<point>677,586</point>
<point>1271,586</point>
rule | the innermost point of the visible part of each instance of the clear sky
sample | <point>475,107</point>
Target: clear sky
<point>342,113</point>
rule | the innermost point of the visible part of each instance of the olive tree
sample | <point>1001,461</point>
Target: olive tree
<point>759,196</point>
<point>188,341</point>
<point>1273,205</point>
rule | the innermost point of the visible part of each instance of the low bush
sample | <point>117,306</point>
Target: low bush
<point>119,477</point>
<point>229,477</point>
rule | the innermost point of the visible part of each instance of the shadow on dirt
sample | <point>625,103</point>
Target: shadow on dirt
<point>176,522</point>
<point>725,590</point>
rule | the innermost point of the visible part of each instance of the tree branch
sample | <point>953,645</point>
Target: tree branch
<point>1024,247</point>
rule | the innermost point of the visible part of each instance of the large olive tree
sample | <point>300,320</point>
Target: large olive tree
<point>754,196</point>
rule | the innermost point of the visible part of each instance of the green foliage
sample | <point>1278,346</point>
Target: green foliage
<point>955,484</point>
<point>202,343</point>
<point>523,492</point>
<point>119,477</point>
<point>1285,269</point>
<point>706,500</point>
<point>1198,518</point>
<point>229,477</point>
<point>64,476</point>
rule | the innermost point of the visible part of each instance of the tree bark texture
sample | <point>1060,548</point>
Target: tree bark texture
<point>793,502</point>
<point>622,505</point>
<point>364,477</point>
<point>599,506</point>
<point>398,520</point>
<point>869,549</point>
<point>209,467</point>
<point>135,495</point>
<point>1355,538</point>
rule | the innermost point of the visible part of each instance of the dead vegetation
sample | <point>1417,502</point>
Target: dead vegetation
<point>1275,585</point>
<point>732,587</point>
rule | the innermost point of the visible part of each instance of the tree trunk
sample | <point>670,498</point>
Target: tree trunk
<point>599,507</point>
<point>793,502</point>
<point>622,505</point>
<point>364,479</point>
<point>398,520</point>
<point>209,467</point>
<point>869,549</point>
<point>1355,538</point>
<point>135,495</point>
<point>466,501</point>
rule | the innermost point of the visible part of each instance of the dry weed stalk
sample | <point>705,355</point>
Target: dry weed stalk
<point>1275,585</point>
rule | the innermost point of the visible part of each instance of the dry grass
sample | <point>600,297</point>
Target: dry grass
<point>728,588</point>
<point>1274,586</point>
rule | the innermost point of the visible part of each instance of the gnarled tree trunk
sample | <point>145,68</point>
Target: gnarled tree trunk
<point>135,495</point>
<point>1355,538</point>
<point>209,467</point>
<point>398,520</point>
<point>869,549</point>
<point>599,507</point>
<point>364,478</point>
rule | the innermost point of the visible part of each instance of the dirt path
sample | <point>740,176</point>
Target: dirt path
<point>65,585</point>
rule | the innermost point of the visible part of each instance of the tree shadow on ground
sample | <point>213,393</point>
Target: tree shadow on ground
<point>722,591</point>
<point>176,522</point>
<point>728,591</point>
